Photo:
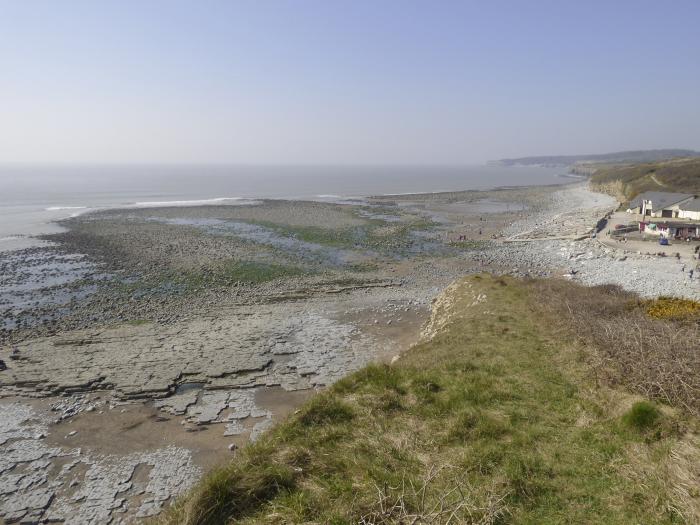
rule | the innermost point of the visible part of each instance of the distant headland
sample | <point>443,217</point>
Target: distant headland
<point>651,155</point>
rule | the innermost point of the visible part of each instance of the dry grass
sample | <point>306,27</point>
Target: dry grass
<point>650,347</point>
<point>427,502</point>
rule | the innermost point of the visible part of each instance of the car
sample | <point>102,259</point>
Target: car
<point>663,241</point>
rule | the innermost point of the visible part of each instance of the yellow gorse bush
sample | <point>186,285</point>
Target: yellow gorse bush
<point>671,308</point>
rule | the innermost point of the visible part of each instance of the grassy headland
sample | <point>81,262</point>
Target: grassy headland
<point>653,155</point>
<point>499,416</point>
<point>627,181</point>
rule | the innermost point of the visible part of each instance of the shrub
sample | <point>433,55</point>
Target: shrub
<point>653,355</point>
<point>672,308</point>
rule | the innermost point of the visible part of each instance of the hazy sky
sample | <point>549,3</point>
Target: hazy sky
<point>344,82</point>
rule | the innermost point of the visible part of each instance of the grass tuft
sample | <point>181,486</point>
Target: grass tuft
<point>375,377</point>
<point>642,416</point>
<point>235,492</point>
<point>475,424</point>
<point>325,409</point>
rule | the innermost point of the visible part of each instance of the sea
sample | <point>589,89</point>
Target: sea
<point>34,197</point>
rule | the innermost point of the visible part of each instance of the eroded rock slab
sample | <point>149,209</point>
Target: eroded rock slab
<point>48,483</point>
<point>250,346</point>
<point>206,371</point>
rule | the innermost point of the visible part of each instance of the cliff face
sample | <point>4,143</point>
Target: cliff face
<point>446,307</point>
<point>677,175</point>
<point>613,188</point>
<point>584,169</point>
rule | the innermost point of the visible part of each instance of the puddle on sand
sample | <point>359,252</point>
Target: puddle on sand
<point>51,473</point>
<point>188,387</point>
<point>428,243</point>
<point>279,401</point>
<point>377,215</point>
<point>267,236</point>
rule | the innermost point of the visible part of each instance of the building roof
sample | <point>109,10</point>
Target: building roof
<point>660,199</point>
<point>666,225</point>
<point>693,205</point>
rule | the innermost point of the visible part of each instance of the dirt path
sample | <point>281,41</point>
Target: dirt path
<point>658,183</point>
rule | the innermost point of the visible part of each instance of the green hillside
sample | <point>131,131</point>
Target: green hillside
<point>625,182</point>
<point>653,155</point>
<point>513,410</point>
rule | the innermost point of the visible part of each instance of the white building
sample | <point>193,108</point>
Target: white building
<point>690,210</point>
<point>659,204</point>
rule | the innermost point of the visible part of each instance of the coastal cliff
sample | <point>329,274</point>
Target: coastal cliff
<point>626,181</point>
<point>626,157</point>
<point>506,412</point>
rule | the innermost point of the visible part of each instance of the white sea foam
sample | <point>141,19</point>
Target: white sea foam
<point>200,202</point>
<point>57,208</point>
<point>333,199</point>
<point>413,193</point>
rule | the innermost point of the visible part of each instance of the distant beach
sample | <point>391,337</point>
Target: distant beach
<point>33,197</point>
